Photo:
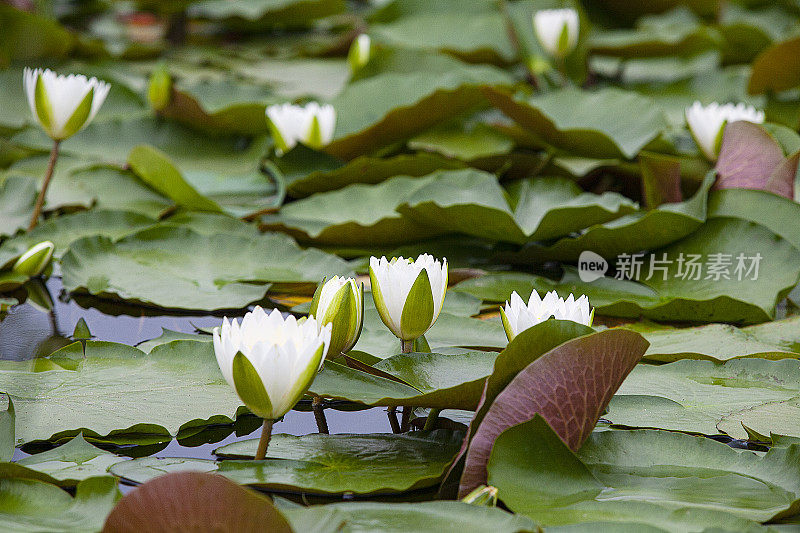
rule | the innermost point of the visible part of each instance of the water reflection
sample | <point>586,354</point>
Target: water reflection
<point>47,317</point>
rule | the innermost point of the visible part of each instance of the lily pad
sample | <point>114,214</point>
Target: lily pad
<point>17,196</point>
<point>609,123</point>
<point>706,397</point>
<point>335,464</point>
<point>191,501</point>
<point>444,381</point>
<point>114,388</point>
<point>423,517</point>
<point>192,271</point>
<point>721,342</point>
<point>72,462</point>
<point>64,230</point>
<point>569,387</point>
<point>391,107</point>
<point>662,479</point>
<point>36,505</point>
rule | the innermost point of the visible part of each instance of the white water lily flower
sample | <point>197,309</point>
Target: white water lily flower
<point>408,294</point>
<point>518,316</point>
<point>707,123</point>
<point>557,30</point>
<point>340,303</point>
<point>34,261</point>
<point>270,361</point>
<point>312,125</point>
<point>359,53</point>
<point>63,105</point>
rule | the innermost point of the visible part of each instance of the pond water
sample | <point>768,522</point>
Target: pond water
<point>29,330</point>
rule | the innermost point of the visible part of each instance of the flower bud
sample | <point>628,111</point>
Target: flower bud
<point>359,53</point>
<point>340,303</point>
<point>408,294</point>
<point>35,260</point>
<point>557,30</point>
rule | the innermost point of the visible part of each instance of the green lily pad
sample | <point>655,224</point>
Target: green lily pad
<point>335,464</point>
<point>609,123</point>
<point>115,390</point>
<point>7,442</point>
<point>707,397</point>
<point>386,108</point>
<point>273,12</point>
<point>480,36</point>
<point>669,296</point>
<point>17,196</point>
<point>721,342</point>
<point>663,479</point>
<point>39,506</point>
<point>423,517</point>
<point>144,469</point>
<point>368,170</point>
<point>72,462</point>
<point>444,381</point>
<point>416,208</point>
<point>189,270</point>
<point>219,106</point>
<point>762,207</point>
<point>643,230</point>
<point>64,230</point>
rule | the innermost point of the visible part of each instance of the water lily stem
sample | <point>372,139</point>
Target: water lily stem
<point>318,406</point>
<point>430,422</point>
<point>405,424</point>
<point>266,435</point>
<point>392,413</point>
<point>51,166</point>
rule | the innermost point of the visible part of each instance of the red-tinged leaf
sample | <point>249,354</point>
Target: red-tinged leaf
<point>750,158</point>
<point>194,501</point>
<point>569,387</point>
<point>522,351</point>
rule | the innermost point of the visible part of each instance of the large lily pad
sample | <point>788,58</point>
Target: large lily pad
<point>189,270</point>
<point>445,381</point>
<point>670,296</point>
<point>114,387</point>
<point>423,517</point>
<point>35,505</point>
<point>191,501</point>
<point>606,124</point>
<point>707,397</point>
<point>335,464</point>
<point>722,342</point>
<point>662,479</point>
<point>64,230</point>
<point>404,208</point>
<point>643,230</point>
<point>387,108</point>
